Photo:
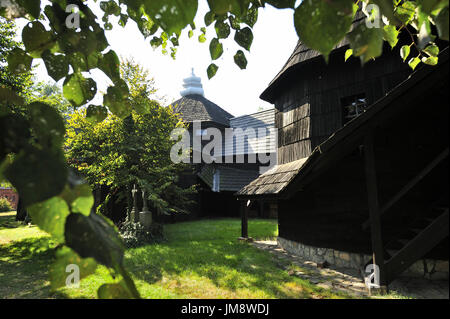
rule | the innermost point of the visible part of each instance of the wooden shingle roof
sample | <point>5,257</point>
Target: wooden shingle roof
<point>198,108</point>
<point>301,55</point>
<point>274,180</point>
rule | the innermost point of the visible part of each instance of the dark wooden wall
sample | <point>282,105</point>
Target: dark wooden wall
<point>309,102</point>
<point>329,212</point>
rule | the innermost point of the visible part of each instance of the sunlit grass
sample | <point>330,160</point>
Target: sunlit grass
<point>201,259</point>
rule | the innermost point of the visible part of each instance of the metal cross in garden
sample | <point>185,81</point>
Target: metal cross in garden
<point>133,214</point>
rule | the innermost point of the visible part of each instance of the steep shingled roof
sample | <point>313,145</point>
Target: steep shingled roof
<point>302,54</point>
<point>289,177</point>
<point>198,108</point>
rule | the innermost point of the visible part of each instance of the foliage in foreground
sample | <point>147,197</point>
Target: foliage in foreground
<point>58,202</point>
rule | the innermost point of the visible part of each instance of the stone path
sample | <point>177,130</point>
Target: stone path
<point>349,280</point>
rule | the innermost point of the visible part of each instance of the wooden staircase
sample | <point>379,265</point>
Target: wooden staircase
<point>421,236</point>
<point>415,242</point>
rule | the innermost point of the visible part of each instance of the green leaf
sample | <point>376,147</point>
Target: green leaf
<point>321,25</point>
<point>348,54</point>
<point>240,60</point>
<point>237,7</point>
<point>171,15</point>
<point>387,9</point>
<point>212,70</point>
<point>19,61</point>
<point>114,291</point>
<point>404,52</point>
<point>222,29</point>
<point>115,99</point>
<point>251,17</point>
<point>215,49</point>
<point>244,38</point>
<point>78,61</point>
<point>432,50</point>
<point>78,195</point>
<point>79,90</point>
<point>281,4</point>
<point>414,62</point>
<point>432,60</point>
<point>367,43</point>
<point>155,42</point>
<point>31,7</point>
<point>47,125</point>
<point>406,12</point>
<point>96,113</point>
<point>390,34</point>
<point>8,96</point>
<point>431,6</point>
<point>190,34</point>
<point>83,231</point>
<point>209,18</point>
<point>442,21</point>
<point>37,174</point>
<point>57,65</point>
<point>234,22</point>
<point>201,38</point>
<point>109,64</point>
<point>110,7</point>
<point>36,39</point>
<point>15,132</point>
<point>65,257</point>
<point>50,216</point>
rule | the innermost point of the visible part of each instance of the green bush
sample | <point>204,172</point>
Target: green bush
<point>5,205</point>
<point>135,235</point>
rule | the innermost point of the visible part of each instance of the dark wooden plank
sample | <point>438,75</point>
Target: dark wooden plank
<point>411,184</point>
<point>244,219</point>
<point>418,246</point>
<point>374,210</point>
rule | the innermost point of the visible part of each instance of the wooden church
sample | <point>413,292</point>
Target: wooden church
<point>362,174</point>
<point>220,174</point>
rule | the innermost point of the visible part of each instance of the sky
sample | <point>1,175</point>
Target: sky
<point>235,90</point>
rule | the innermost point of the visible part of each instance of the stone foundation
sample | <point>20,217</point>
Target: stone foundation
<point>430,269</point>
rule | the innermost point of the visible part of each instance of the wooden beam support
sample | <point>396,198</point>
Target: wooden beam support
<point>442,156</point>
<point>244,219</point>
<point>418,246</point>
<point>374,209</point>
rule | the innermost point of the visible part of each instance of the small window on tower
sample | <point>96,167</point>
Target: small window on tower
<point>201,132</point>
<point>353,106</point>
<point>216,181</point>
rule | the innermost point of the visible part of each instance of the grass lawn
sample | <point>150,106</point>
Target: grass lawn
<point>201,259</point>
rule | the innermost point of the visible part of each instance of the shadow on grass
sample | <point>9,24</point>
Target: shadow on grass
<point>24,269</point>
<point>8,221</point>
<point>224,261</point>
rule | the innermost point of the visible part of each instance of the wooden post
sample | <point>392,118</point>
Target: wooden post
<point>261,209</point>
<point>374,209</point>
<point>244,219</point>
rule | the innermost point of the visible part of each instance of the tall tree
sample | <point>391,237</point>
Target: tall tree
<point>119,153</point>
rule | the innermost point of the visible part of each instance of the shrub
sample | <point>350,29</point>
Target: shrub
<point>5,205</point>
<point>135,234</point>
